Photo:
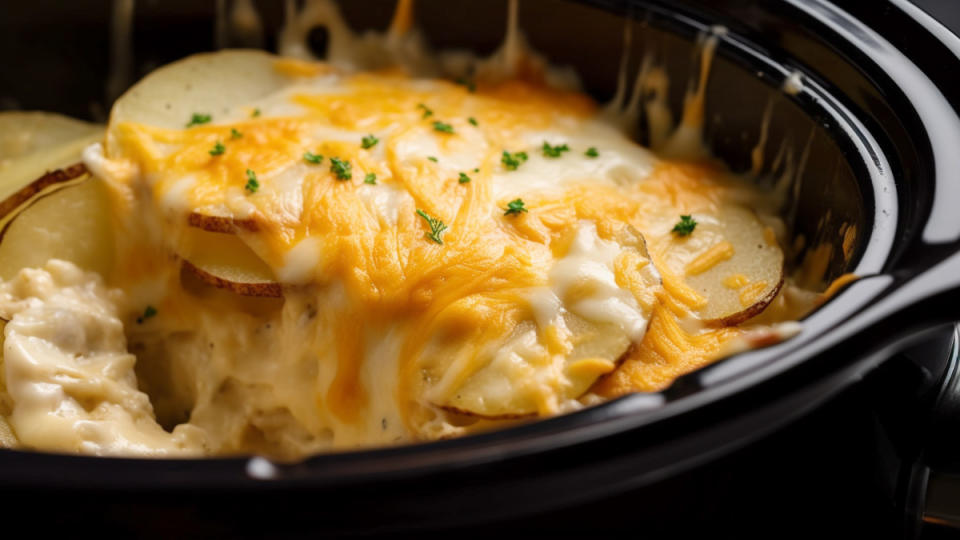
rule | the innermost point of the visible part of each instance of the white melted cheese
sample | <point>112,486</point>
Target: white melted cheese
<point>589,263</point>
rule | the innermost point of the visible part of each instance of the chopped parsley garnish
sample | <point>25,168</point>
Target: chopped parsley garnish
<point>477,169</point>
<point>431,158</point>
<point>514,160</point>
<point>591,152</point>
<point>341,168</point>
<point>554,151</point>
<point>436,226</point>
<point>442,126</point>
<point>427,112</point>
<point>473,121</point>
<point>310,157</point>
<point>198,119</point>
<point>218,149</point>
<point>369,141</point>
<point>255,113</point>
<point>471,86</point>
<point>685,226</point>
<point>147,313</point>
<point>252,184</point>
<point>234,134</point>
<point>370,178</point>
<point>464,179</point>
<point>515,206</point>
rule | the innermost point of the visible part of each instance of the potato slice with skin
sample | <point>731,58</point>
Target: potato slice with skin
<point>218,84</point>
<point>224,261</point>
<point>525,375</point>
<point>234,280</point>
<point>46,184</point>
<point>491,395</point>
<point>64,215</point>
<point>221,224</point>
<point>744,273</point>
<point>211,83</point>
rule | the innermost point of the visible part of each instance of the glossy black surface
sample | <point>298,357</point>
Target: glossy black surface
<point>879,83</point>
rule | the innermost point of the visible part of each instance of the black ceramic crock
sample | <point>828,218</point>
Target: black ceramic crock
<point>875,132</point>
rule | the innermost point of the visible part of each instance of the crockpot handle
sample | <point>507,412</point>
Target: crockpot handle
<point>931,483</point>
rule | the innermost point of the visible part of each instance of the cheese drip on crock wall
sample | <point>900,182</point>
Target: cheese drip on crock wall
<point>389,336</point>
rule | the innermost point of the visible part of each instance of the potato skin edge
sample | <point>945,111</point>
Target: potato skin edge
<point>221,224</point>
<point>264,289</point>
<point>51,178</point>
<point>752,311</point>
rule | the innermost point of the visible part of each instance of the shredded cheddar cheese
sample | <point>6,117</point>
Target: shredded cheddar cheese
<point>735,281</point>
<point>342,258</point>
<point>751,293</point>
<point>710,258</point>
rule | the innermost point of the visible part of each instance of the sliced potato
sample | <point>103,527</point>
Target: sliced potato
<point>25,133</point>
<point>209,83</point>
<point>233,279</point>
<point>34,143</point>
<point>505,387</point>
<point>219,84</point>
<point>532,372</point>
<point>224,261</point>
<point>221,224</point>
<point>64,215</point>
<point>731,260</point>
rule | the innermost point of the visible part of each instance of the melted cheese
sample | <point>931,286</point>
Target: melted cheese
<point>511,315</point>
<point>385,332</point>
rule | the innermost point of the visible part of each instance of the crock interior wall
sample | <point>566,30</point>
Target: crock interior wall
<point>584,37</point>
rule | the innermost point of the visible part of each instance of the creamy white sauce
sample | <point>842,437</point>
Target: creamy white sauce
<point>793,84</point>
<point>69,372</point>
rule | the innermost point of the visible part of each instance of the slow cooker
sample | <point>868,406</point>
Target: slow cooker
<point>764,442</point>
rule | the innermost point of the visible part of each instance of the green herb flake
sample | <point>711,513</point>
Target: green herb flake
<point>476,170</point>
<point>147,313</point>
<point>370,178</point>
<point>554,151</point>
<point>685,226</point>
<point>234,134</point>
<point>471,86</point>
<point>310,157</point>
<point>437,227</point>
<point>442,127</point>
<point>591,152</point>
<point>341,168</point>
<point>433,159</point>
<point>252,184</point>
<point>198,119</point>
<point>473,121</point>
<point>464,179</point>
<point>427,112</point>
<point>218,149</point>
<point>515,207</point>
<point>255,113</point>
<point>514,160</point>
<point>369,141</point>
